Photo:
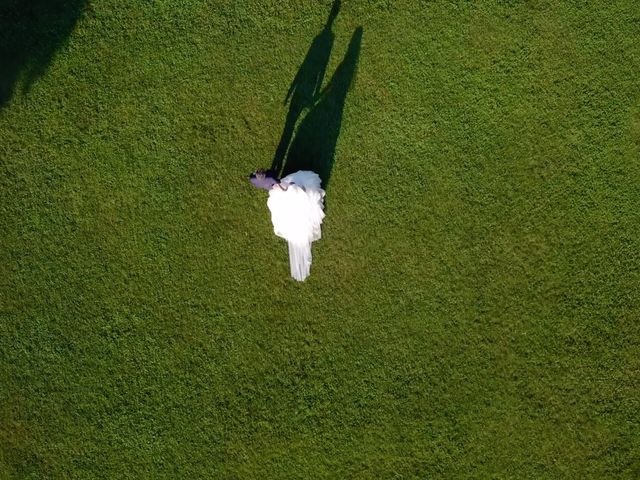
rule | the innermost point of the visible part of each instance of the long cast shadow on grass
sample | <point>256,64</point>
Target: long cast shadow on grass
<point>313,147</point>
<point>31,31</point>
<point>305,87</point>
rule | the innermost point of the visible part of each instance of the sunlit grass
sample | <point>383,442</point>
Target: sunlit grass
<point>472,309</point>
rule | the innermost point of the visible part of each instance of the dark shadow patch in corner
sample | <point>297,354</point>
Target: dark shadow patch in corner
<point>31,32</point>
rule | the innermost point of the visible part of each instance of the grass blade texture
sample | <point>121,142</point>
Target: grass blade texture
<point>472,309</point>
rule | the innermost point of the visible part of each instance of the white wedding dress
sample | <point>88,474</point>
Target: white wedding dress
<point>296,214</point>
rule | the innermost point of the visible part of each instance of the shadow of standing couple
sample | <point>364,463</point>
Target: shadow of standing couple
<point>311,146</point>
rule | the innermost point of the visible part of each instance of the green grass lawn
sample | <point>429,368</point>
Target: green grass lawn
<point>473,308</point>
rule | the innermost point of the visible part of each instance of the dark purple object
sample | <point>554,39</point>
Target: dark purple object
<point>264,179</point>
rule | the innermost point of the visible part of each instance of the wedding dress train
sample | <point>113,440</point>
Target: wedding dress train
<point>296,213</point>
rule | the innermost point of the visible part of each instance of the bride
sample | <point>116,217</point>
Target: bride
<point>296,203</point>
